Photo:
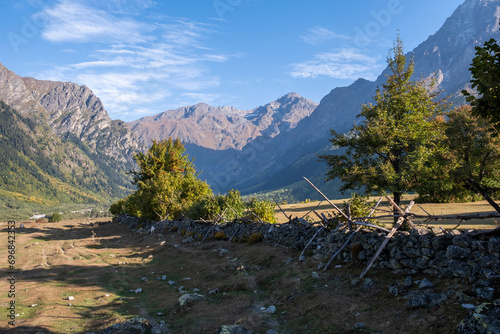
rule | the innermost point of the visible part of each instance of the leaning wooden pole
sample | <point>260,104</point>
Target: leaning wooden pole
<point>351,236</point>
<point>396,226</point>
<point>328,200</point>
<point>484,194</point>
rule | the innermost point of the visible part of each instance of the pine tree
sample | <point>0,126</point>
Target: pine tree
<point>391,149</point>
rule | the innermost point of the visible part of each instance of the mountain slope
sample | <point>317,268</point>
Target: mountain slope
<point>58,144</point>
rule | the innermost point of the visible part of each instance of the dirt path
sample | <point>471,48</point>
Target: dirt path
<point>103,266</point>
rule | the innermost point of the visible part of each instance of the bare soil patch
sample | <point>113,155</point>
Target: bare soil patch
<point>102,267</point>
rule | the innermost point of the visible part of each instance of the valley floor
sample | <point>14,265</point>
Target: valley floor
<point>102,266</point>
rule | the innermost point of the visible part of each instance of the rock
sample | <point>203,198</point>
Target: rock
<point>463,241</point>
<point>417,301</point>
<point>189,298</point>
<point>358,326</point>
<point>135,325</point>
<point>459,269</point>
<point>395,288</point>
<point>494,247</point>
<point>425,284</point>
<point>213,291</point>
<point>315,275</point>
<point>172,282</point>
<point>355,281</point>
<point>271,309</point>
<point>71,298</point>
<point>368,283</point>
<point>463,298</point>
<point>288,261</point>
<point>440,243</point>
<point>468,306</point>
<point>271,331</point>
<point>455,252</point>
<point>187,240</point>
<point>223,251</point>
<point>420,300</point>
<point>233,329</point>
<point>302,258</point>
<point>138,290</point>
<point>408,281</point>
<point>485,293</point>
<point>485,319</point>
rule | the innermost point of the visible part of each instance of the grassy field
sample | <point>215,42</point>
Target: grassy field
<point>481,207</point>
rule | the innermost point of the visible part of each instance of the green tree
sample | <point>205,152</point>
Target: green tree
<point>485,69</point>
<point>473,152</point>
<point>391,149</point>
<point>167,182</point>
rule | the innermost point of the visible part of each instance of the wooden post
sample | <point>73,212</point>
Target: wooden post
<point>484,194</point>
<point>314,236</point>
<point>401,212</point>
<point>386,240</point>
<point>289,218</point>
<point>352,235</point>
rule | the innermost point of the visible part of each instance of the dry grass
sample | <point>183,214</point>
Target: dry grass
<point>300,209</point>
<point>99,266</point>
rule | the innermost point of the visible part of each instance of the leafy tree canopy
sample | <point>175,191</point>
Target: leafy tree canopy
<point>485,69</point>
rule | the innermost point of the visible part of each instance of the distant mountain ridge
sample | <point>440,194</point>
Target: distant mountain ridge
<point>221,128</point>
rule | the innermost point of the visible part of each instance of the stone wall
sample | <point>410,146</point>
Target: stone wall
<point>432,251</point>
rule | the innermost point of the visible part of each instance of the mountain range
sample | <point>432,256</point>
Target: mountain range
<point>58,144</point>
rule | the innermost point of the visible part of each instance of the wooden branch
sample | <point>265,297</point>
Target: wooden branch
<point>401,212</point>
<point>314,236</point>
<point>234,234</point>
<point>312,209</point>
<point>341,248</point>
<point>387,238</point>
<point>484,194</point>
<point>328,200</point>
<point>206,235</point>
<point>289,218</point>
<point>351,236</point>
<point>372,226</point>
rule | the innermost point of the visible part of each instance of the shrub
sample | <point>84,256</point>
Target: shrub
<point>359,207</point>
<point>230,206</point>
<point>262,209</point>
<point>56,217</point>
<point>221,235</point>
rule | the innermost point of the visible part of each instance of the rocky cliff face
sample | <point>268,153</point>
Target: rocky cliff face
<point>222,128</point>
<point>73,134</point>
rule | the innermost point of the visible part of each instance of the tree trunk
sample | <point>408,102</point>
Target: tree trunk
<point>397,199</point>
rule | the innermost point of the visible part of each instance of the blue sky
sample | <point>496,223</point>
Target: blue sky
<point>143,57</point>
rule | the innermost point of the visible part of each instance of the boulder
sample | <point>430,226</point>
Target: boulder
<point>189,298</point>
<point>233,329</point>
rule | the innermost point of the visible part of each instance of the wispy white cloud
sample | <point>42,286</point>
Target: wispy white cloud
<point>319,35</point>
<point>135,65</point>
<point>70,21</point>
<point>340,64</point>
